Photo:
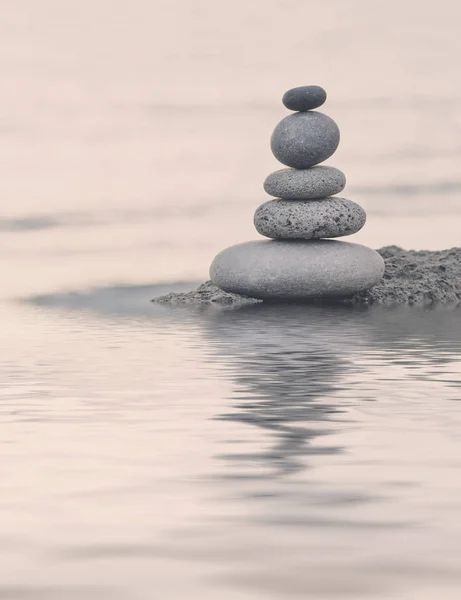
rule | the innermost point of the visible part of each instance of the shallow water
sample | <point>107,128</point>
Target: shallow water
<point>260,452</point>
<point>235,454</point>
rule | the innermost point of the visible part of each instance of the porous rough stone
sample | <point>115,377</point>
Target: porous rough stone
<point>416,277</point>
<point>296,270</point>
<point>304,139</point>
<point>207,293</point>
<point>411,277</point>
<point>305,97</point>
<point>309,219</point>
<point>316,182</point>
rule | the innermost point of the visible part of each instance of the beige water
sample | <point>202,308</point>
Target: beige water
<point>259,453</point>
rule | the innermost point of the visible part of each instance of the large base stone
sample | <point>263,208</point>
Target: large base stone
<point>411,277</point>
<point>296,270</point>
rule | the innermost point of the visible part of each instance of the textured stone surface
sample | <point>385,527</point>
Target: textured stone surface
<point>316,182</point>
<point>304,139</point>
<point>207,293</point>
<point>309,219</point>
<point>417,278</point>
<point>304,98</point>
<point>296,270</point>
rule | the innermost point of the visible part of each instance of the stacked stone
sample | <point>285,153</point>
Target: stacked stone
<point>298,263</point>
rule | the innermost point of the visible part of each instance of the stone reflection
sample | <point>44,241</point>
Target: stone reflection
<point>432,332</point>
<point>287,363</point>
<point>290,512</point>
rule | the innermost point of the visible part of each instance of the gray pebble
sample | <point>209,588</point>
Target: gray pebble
<point>317,182</point>
<point>411,277</point>
<point>304,139</point>
<point>296,270</point>
<point>309,219</point>
<point>304,98</point>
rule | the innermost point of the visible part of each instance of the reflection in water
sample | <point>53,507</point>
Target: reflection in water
<point>301,373</point>
<point>331,473</point>
<point>294,369</point>
<point>287,364</point>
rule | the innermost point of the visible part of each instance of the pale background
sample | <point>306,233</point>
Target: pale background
<point>275,454</point>
<point>135,135</point>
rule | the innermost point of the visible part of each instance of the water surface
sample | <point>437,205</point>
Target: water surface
<point>240,454</point>
<point>260,452</point>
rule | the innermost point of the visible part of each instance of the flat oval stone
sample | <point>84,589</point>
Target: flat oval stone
<point>304,98</point>
<point>304,139</point>
<point>316,182</point>
<point>309,219</point>
<point>296,270</point>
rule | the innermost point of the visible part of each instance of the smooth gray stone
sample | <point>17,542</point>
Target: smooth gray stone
<point>296,270</point>
<point>414,277</point>
<point>304,98</point>
<point>304,139</point>
<point>309,219</point>
<point>316,182</point>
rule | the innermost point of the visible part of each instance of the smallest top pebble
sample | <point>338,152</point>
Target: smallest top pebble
<point>304,98</point>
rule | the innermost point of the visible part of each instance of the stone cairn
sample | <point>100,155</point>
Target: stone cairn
<point>298,263</point>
